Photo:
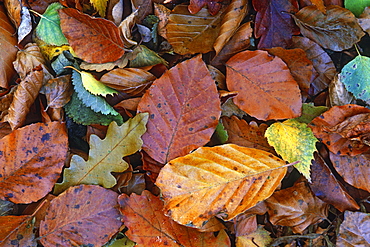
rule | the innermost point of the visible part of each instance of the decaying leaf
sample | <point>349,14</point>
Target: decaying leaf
<point>259,79</point>
<point>354,230</point>
<point>223,180</point>
<point>260,237</point>
<point>100,6</point>
<point>338,94</point>
<point>105,156</point>
<point>17,230</point>
<point>58,91</point>
<point>364,20</point>
<point>126,29</point>
<point>82,215</point>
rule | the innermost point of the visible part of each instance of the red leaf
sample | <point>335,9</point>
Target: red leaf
<point>213,6</point>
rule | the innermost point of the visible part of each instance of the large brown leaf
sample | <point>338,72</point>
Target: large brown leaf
<point>58,91</point>
<point>223,180</point>
<point>94,40</point>
<point>354,230</point>
<point>31,160</point>
<point>148,226</point>
<point>82,215</point>
<point>266,89</point>
<point>8,50</point>
<point>184,109</point>
<point>337,30</point>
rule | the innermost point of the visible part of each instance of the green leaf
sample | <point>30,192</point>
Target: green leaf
<point>94,86</point>
<point>146,57</point>
<point>309,112</point>
<point>63,60</point>
<point>293,141</point>
<point>221,133</point>
<point>95,102</point>
<point>82,114</point>
<point>105,156</point>
<point>49,29</point>
<point>356,77</point>
<point>356,6</point>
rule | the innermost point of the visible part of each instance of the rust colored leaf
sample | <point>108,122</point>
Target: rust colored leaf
<point>353,169</point>
<point>299,65</point>
<point>182,117</point>
<point>94,40</point>
<point>328,188</point>
<point>298,210</point>
<point>321,61</point>
<point>222,180</point>
<point>14,10</point>
<point>31,161</point>
<point>230,22</point>
<point>132,81</point>
<point>26,93</point>
<point>343,130</point>
<point>17,231</point>
<point>273,23</point>
<point>58,91</point>
<point>8,50</point>
<point>156,229</point>
<point>337,30</point>
<point>190,34</point>
<point>213,6</point>
<point>319,4</point>
<point>248,135</point>
<point>354,230</point>
<point>82,215</point>
<point>266,89</point>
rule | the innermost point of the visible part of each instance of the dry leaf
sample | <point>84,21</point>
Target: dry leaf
<point>163,14</point>
<point>58,91</point>
<point>354,230</point>
<point>17,231</point>
<point>126,29</point>
<point>338,94</point>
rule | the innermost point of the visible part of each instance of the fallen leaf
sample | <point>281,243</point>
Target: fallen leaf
<point>192,33</point>
<point>309,112</point>
<point>94,40</point>
<point>356,6</point>
<point>14,11</point>
<point>354,230</point>
<point>338,94</point>
<point>105,156</point>
<point>258,77</point>
<point>82,215</point>
<point>337,30</point>
<point>145,57</point>
<point>58,91</point>
<point>364,20</point>
<point>94,86</point>
<point>229,179</point>
<point>319,4</point>
<point>32,158</point>
<point>260,237</point>
<point>163,14</point>
<point>144,8</point>
<point>156,229</point>
<point>17,231</point>
<point>126,27</point>
<point>213,6</point>
<point>100,6</point>
<point>298,210</point>
<point>181,118</point>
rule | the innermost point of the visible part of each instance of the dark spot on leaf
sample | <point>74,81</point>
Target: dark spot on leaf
<point>88,202</point>
<point>28,152</point>
<point>1,152</point>
<point>357,85</point>
<point>235,168</point>
<point>338,153</point>
<point>191,129</point>
<point>23,190</point>
<point>9,195</point>
<point>205,126</point>
<point>213,118</point>
<point>19,236</point>
<point>328,142</point>
<point>41,159</point>
<point>35,149</point>
<point>78,189</point>
<point>77,206</point>
<point>178,186</point>
<point>151,116</point>
<point>45,137</point>
<point>189,22</point>
<point>177,205</point>
<point>354,66</point>
<point>79,222</point>
<point>1,175</point>
<point>38,176</point>
<point>14,242</point>
<point>41,128</point>
<point>300,201</point>
<point>159,105</point>
<point>322,116</point>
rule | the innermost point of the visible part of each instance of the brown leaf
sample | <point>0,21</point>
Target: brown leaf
<point>364,20</point>
<point>82,215</point>
<point>152,166</point>
<point>335,130</point>
<point>17,231</point>
<point>353,169</point>
<point>132,81</point>
<point>58,91</point>
<point>8,51</point>
<point>223,180</point>
<point>31,161</point>
<point>354,230</point>
<point>144,7</point>
<point>321,61</point>
<point>247,135</point>
<point>319,4</point>
<point>14,10</point>
<point>338,94</point>
<point>182,117</point>
<point>337,30</point>
<point>190,34</point>
<point>156,229</point>
<point>126,27</point>
<point>163,14</point>
<point>258,77</point>
<point>245,224</point>
<point>328,188</point>
<point>26,93</point>
<point>298,210</point>
<point>94,40</point>
<point>231,20</point>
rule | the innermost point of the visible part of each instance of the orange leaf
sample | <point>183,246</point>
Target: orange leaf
<point>223,180</point>
<point>94,40</point>
<point>17,231</point>
<point>31,160</point>
<point>148,226</point>
<point>266,89</point>
<point>82,215</point>
<point>184,109</point>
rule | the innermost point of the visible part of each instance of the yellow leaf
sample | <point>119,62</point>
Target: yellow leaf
<point>94,86</point>
<point>100,6</point>
<point>260,237</point>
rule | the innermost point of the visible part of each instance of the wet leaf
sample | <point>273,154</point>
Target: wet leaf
<point>354,230</point>
<point>230,179</point>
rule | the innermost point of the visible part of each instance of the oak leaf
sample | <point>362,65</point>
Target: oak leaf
<point>156,229</point>
<point>354,230</point>
<point>259,79</point>
<point>105,156</point>
<point>223,180</point>
<point>17,231</point>
<point>32,158</point>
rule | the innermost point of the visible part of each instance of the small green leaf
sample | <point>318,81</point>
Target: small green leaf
<point>94,86</point>
<point>146,57</point>
<point>293,141</point>
<point>309,112</point>
<point>356,77</point>
<point>356,6</point>
<point>221,133</point>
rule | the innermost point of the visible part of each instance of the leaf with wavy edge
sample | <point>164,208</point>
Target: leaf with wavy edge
<point>224,180</point>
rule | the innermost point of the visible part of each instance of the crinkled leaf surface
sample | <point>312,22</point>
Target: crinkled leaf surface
<point>17,230</point>
<point>31,160</point>
<point>223,180</point>
<point>259,78</point>
<point>156,229</point>
<point>354,230</point>
<point>293,141</point>
<point>105,156</point>
<point>83,215</point>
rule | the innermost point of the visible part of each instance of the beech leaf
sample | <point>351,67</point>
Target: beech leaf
<point>31,160</point>
<point>58,91</point>
<point>17,229</point>
<point>293,141</point>
<point>223,180</point>
<point>71,215</point>
<point>105,156</point>
<point>354,230</point>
